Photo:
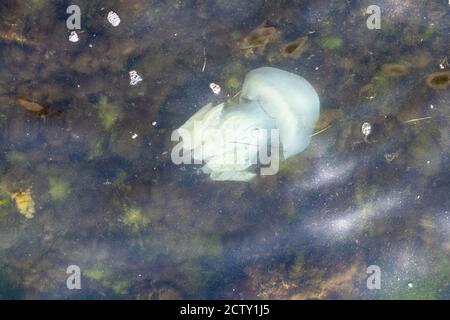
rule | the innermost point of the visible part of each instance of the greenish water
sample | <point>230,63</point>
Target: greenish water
<point>86,176</point>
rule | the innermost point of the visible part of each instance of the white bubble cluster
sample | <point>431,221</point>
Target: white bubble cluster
<point>73,37</point>
<point>366,129</point>
<point>113,18</point>
<point>135,78</point>
<point>215,88</point>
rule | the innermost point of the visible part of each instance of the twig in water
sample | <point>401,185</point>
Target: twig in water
<point>417,119</point>
<point>320,131</point>
<point>204,59</point>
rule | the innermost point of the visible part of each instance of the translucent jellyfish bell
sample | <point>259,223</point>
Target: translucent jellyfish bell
<point>288,99</point>
<point>228,138</point>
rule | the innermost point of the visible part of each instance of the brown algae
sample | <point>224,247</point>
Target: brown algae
<point>394,70</point>
<point>439,80</point>
<point>295,49</point>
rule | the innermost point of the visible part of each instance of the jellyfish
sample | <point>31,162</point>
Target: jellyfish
<point>276,109</point>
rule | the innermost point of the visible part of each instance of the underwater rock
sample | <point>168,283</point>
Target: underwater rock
<point>439,80</point>
<point>24,203</point>
<point>229,137</point>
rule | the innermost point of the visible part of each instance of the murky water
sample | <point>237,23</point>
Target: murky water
<point>87,177</point>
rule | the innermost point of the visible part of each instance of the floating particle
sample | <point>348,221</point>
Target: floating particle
<point>73,37</point>
<point>135,78</point>
<point>444,63</point>
<point>389,157</point>
<point>134,136</point>
<point>113,18</point>
<point>366,129</point>
<point>154,123</point>
<point>215,88</point>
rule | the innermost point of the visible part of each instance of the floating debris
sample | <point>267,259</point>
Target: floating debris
<point>113,18</point>
<point>24,203</point>
<point>366,129</point>
<point>295,49</point>
<point>32,106</point>
<point>417,120</point>
<point>320,131</point>
<point>204,60</point>
<point>394,70</point>
<point>439,80</point>
<point>135,78</point>
<point>255,42</point>
<point>215,88</point>
<point>444,63</point>
<point>73,37</point>
<point>389,157</point>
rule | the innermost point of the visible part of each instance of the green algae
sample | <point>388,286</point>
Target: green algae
<point>5,202</point>
<point>233,83</point>
<point>297,268</point>
<point>96,148</point>
<point>330,42</point>
<point>108,113</point>
<point>121,286</point>
<point>428,287</point>
<point>96,273</point>
<point>117,283</point>
<point>59,188</point>
<point>135,219</point>
<point>16,157</point>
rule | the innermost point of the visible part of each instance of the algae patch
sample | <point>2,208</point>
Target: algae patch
<point>108,113</point>
<point>135,219</point>
<point>58,188</point>
<point>329,42</point>
<point>24,203</point>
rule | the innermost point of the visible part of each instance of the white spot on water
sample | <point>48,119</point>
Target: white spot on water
<point>113,18</point>
<point>73,37</point>
<point>215,88</point>
<point>135,78</point>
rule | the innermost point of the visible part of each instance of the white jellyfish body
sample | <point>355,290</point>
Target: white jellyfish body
<point>227,138</point>
<point>290,100</point>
